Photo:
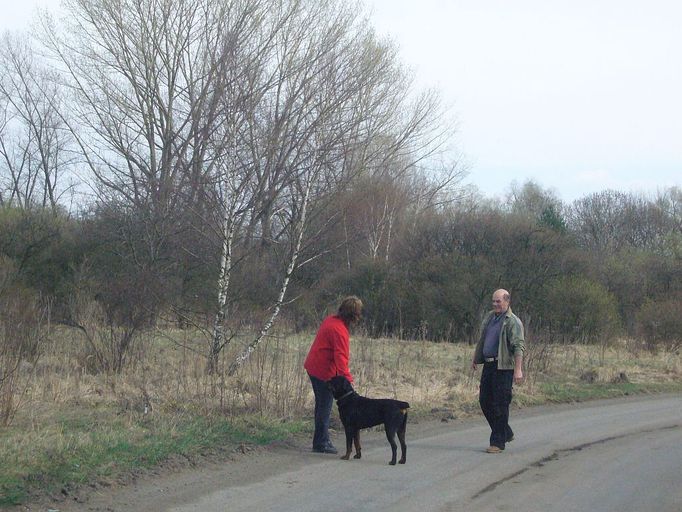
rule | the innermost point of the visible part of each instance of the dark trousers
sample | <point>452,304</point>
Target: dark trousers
<point>323,409</point>
<point>495,396</point>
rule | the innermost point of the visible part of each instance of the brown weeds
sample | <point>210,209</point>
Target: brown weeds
<point>169,377</point>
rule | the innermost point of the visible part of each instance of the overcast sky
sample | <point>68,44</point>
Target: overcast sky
<point>578,95</point>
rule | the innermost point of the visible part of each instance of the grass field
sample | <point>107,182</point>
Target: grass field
<point>74,428</point>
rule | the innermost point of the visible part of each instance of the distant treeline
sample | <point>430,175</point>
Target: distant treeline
<point>608,264</point>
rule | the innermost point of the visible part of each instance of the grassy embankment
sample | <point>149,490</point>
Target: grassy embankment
<point>75,429</point>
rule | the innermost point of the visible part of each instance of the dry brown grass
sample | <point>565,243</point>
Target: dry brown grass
<point>168,375</point>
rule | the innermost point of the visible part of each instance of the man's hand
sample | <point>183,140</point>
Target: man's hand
<point>473,364</point>
<point>518,369</point>
<point>518,376</point>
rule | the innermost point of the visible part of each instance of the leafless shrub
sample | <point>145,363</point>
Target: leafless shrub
<point>273,381</point>
<point>24,324</point>
<point>660,324</point>
<point>107,342</point>
<point>538,357</point>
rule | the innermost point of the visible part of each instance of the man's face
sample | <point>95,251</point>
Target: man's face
<point>500,304</point>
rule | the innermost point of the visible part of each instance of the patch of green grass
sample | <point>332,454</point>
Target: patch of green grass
<point>572,392</point>
<point>80,451</point>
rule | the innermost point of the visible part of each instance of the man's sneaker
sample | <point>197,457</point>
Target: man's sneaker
<point>493,449</point>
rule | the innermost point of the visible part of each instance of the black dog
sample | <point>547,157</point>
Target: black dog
<point>358,412</point>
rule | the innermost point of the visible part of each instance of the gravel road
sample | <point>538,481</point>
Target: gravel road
<point>618,455</point>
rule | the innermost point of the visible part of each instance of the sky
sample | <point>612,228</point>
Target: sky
<point>579,96</point>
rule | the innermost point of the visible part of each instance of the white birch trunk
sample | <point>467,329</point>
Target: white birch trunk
<point>218,340</point>
<point>376,232</point>
<point>244,356</point>
<point>391,219</point>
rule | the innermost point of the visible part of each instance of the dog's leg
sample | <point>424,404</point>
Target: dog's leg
<point>349,444</point>
<point>390,435</point>
<point>401,438</point>
<point>358,448</point>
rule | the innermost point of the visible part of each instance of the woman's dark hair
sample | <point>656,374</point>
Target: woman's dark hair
<point>350,310</point>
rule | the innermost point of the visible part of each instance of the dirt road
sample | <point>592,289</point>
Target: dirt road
<point>619,455</point>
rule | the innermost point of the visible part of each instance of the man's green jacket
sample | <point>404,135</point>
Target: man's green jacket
<point>511,341</point>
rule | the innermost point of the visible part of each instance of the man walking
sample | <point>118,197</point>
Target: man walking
<point>500,351</point>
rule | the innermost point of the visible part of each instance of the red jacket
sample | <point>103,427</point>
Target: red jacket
<point>330,352</point>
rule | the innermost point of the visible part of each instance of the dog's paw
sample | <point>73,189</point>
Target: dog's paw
<point>401,461</point>
<point>392,463</point>
<point>357,456</point>
<point>345,457</point>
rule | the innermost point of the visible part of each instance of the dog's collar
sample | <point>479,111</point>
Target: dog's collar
<point>352,391</point>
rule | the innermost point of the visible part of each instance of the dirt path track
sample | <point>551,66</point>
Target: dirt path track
<point>623,455</point>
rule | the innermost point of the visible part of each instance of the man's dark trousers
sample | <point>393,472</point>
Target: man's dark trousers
<point>495,396</point>
<point>323,408</point>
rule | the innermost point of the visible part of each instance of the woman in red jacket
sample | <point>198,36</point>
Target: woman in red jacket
<point>328,357</point>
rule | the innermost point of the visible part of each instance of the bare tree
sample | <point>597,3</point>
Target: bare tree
<point>245,53</point>
<point>150,81</point>
<point>296,137</point>
<point>312,130</point>
<point>35,156</point>
<point>250,114</point>
<point>669,203</point>
<point>341,110</point>
<point>610,221</point>
<point>146,87</point>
